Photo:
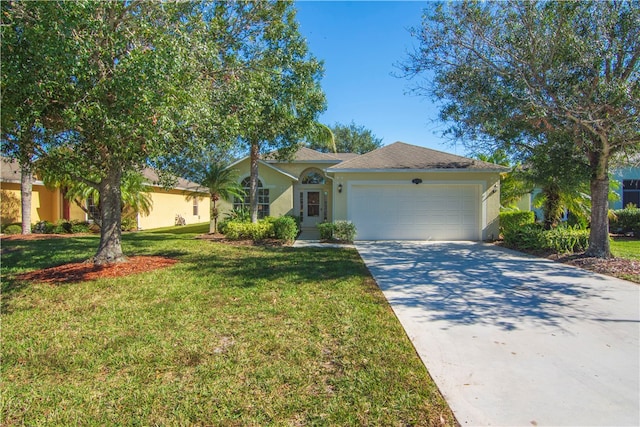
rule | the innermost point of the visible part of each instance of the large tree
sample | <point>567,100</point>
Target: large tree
<point>133,86</point>
<point>351,138</point>
<point>277,95</point>
<point>509,72</point>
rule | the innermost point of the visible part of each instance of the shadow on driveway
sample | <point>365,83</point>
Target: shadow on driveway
<point>512,339</point>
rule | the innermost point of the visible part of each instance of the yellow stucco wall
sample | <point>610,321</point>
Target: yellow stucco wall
<point>46,204</point>
<point>167,204</point>
<point>487,181</point>
<point>281,195</point>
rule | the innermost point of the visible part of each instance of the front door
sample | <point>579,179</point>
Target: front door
<point>312,210</point>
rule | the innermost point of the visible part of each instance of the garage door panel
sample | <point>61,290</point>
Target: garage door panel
<point>420,212</point>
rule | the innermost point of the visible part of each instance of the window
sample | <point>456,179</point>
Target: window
<point>631,192</point>
<point>195,206</point>
<point>313,176</point>
<point>263,198</point>
<point>93,210</point>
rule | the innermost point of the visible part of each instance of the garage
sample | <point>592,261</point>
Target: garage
<point>415,212</point>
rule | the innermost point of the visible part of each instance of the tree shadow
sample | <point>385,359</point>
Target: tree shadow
<point>463,283</point>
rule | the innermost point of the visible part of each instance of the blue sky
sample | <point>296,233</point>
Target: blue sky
<point>359,43</point>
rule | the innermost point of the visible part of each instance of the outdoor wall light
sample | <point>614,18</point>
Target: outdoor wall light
<point>416,181</point>
<point>339,188</point>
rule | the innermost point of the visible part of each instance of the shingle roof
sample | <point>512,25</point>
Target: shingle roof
<point>399,155</point>
<point>181,184</point>
<point>305,154</point>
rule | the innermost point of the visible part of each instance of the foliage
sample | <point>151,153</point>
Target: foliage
<point>12,229</point>
<point>228,336</point>
<point>61,227</point>
<point>260,230</point>
<point>350,138</point>
<point>285,228</point>
<point>517,73</point>
<point>513,220</point>
<point>625,221</point>
<point>344,231</point>
<point>559,240</point>
<point>218,181</point>
<point>326,230</point>
<point>276,94</point>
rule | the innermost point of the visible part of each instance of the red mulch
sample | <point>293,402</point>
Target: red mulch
<point>79,272</point>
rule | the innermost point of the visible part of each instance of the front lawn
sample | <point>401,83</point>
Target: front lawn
<point>626,248</point>
<point>230,335</point>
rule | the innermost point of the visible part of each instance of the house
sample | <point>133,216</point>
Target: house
<point>399,191</point>
<point>628,187</point>
<point>50,205</point>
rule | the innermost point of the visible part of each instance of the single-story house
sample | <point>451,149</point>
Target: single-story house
<point>399,191</point>
<point>629,187</point>
<point>50,205</point>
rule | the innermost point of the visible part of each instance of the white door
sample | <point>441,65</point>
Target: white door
<point>312,209</point>
<point>416,212</point>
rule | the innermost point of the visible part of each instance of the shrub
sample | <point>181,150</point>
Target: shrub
<point>80,227</point>
<point>515,219</point>
<point>43,227</point>
<point>285,228</point>
<point>625,221</point>
<point>12,229</point>
<point>63,227</point>
<point>326,230</point>
<point>560,239</point>
<point>344,231</point>
<point>246,230</point>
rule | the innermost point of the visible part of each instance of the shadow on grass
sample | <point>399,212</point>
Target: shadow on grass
<point>254,266</point>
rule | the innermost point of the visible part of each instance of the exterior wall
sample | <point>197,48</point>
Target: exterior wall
<point>487,181</point>
<point>46,205</point>
<point>281,197</point>
<point>619,175</point>
<point>167,204</point>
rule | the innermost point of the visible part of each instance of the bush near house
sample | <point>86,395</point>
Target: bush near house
<point>344,231</point>
<point>61,227</point>
<point>12,228</point>
<point>563,239</point>
<point>625,220</point>
<point>282,228</point>
<point>513,220</point>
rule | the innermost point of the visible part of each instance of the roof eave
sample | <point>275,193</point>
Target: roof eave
<point>445,170</point>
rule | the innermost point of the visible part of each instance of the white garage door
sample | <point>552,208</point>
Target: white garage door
<point>415,212</point>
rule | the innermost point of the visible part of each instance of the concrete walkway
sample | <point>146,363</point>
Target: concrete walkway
<point>514,340</point>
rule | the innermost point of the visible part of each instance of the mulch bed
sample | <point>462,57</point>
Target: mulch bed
<point>79,272</point>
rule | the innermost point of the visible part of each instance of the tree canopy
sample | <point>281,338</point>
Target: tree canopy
<point>351,138</point>
<point>109,88</point>
<point>511,74</point>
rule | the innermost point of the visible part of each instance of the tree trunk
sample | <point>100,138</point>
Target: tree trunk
<point>552,207</point>
<point>253,187</point>
<point>26,190</point>
<point>213,221</point>
<point>599,234</point>
<point>110,249</point>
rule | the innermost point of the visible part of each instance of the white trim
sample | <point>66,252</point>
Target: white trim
<point>481,188</point>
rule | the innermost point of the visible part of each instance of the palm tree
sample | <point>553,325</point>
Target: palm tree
<point>322,135</point>
<point>220,183</point>
<point>134,190</point>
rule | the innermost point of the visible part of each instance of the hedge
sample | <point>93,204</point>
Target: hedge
<point>344,231</point>
<point>282,228</point>
<point>559,240</point>
<point>514,220</point>
<point>625,221</point>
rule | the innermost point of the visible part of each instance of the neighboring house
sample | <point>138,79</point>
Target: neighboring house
<point>399,191</point>
<point>50,205</point>
<point>629,188</point>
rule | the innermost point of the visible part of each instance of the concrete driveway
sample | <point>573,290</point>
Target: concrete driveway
<point>515,340</point>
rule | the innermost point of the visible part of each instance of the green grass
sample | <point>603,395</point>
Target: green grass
<point>626,248</point>
<point>228,336</point>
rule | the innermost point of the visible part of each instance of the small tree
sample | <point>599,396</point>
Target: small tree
<point>220,183</point>
<point>350,138</point>
<point>508,72</point>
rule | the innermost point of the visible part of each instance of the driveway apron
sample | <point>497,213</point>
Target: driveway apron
<point>515,340</point>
